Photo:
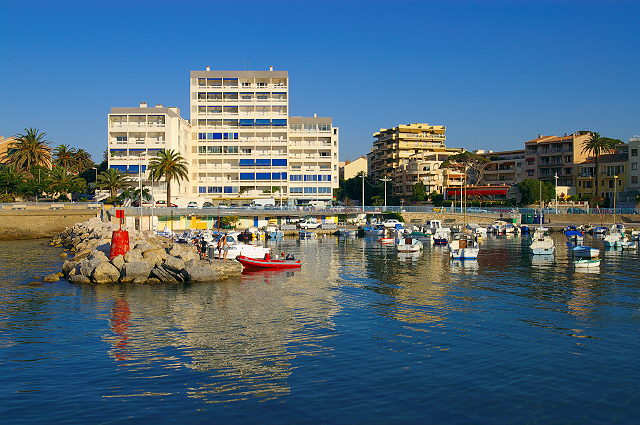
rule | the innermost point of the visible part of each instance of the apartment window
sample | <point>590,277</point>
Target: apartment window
<point>230,149</point>
<point>202,149</point>
<point>634,179</point>
<point>634,165</point>
<point>567,158</point>
<point>324,190</point>
<point>634,152</point>
<point>587,185</point>
<point>530,173</point>
<point>121,138</point>
<point>610,184</point>
<point>202,189</point>
<point>295,190</point>
<point>214,149</point>
<point>310,190</point>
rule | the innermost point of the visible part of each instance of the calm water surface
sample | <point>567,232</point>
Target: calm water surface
<point>358,335</point>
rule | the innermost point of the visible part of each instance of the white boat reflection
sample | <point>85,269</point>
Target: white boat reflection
<point>542,260</point>
<point>464,266</point>
<point>409,256</point>
<point>590,270</point>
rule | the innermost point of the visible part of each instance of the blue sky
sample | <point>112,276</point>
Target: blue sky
<point>496,73</point>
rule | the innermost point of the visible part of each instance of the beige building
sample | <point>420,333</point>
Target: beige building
<point>411,153</point>
<point>137,134</point>
<point>550,156</point>
<point>4,146</point>
<point>350,169</point>
<point>504,168</point>
<point>633,170</point>
<point>613,173</point>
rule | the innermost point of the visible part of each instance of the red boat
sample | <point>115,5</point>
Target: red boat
<point>268,263</point>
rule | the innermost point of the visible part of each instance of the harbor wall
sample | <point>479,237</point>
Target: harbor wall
<point>27,224</point>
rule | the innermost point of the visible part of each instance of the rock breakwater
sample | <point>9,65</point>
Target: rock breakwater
<point>151,259</point>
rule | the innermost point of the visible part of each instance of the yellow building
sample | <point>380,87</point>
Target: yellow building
<point>349,169</point>
<point>613,173</point>
<point>411,153</point>
<point>4,145</point>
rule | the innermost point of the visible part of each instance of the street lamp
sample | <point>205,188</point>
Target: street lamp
<point>385,180</point>
<point>556,190</point>
<point>363,174</point>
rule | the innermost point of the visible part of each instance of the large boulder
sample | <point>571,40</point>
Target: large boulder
<point>118,261</point>
<point>138,272</point>
<point>164,275</point>
<point>69,267</point>
<point>87,266</point>
<point>78,278</point>
<point>211,270</point>
<point>106,273</point>
<point>133,256</point>
<point>173,263</point>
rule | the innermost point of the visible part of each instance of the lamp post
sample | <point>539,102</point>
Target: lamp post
<point>363,174</point>
<point>556,190</point>
<point>385,180</point>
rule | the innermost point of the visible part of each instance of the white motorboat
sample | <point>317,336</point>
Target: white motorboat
<point>629,245</point>
<point>464,247</point>
<point>586,263</point>
<point>235,248</point>
<point>581,251</point>
<point>542,244</point>
<point>480,232</point>
<point>409,244</point>
<point>615,237</point>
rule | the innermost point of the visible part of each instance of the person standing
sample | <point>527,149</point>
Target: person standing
<point>224,246</point>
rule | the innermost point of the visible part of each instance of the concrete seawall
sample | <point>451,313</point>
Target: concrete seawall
<point>36,224</point>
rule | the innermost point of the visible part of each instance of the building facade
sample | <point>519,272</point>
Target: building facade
<point>137,134</point>
<point>613,176</point>
<point>240,142</point>
<point>411,153</point>
<point>504,168</point>
<point>350,169</point>
<point>549,156</point>
<point>633,187</point>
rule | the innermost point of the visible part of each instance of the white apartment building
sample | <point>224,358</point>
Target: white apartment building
<point>137,134</point>
<point>245,146</point>
<point>313,158</point>
<point>240,142</point>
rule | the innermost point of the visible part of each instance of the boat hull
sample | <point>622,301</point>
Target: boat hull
<point>255,263</point>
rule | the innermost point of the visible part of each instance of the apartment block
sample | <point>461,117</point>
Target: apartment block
<point>504,168</point>
<point>633,187</point>
<point>613,176</point>
<point>550,156</point>
<point>313,158</point>
<point>240,142</point>
<point>136,134</point>
<point>408,154</point>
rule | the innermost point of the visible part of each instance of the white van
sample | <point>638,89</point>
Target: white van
<point>318,204</point>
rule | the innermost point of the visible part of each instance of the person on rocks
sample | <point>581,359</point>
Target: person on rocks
<point>224,246</point>
<point>203,249</point>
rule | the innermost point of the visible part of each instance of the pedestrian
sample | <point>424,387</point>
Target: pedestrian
<point>203,249</point>
<point>224,246</point>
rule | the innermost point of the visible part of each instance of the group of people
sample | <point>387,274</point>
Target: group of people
<point>202,245</point>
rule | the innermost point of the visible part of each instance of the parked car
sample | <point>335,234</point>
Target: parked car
<point>164,204</point>
<point>207,205</point>
<point>308,224</point>
<point>391,223</point>
<point>193,204</point>
<point>440,209</point>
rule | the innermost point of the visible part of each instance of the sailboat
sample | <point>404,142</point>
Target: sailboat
<point>541,243</point>
<point>465,245</point>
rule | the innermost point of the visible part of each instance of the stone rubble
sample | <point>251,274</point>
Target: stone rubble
<point>151,259</point>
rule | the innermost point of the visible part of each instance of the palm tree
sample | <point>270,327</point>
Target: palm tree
<point>82,161</point>
<point>596,145</point>
<point>170,165</point>
<point>29,148</point>
<point>62,182</point>
<point>113,180</point>
<point>11,178</point>
<point>64,156</point>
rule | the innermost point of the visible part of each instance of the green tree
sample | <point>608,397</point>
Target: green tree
<point>64,157</point>
<point>419,192</point>
<point>82,161</point>
<point>474,164</point>
<point>170,165</point>
<point>29,149</point>
<point>62,182</point>
<point>352,189</point>
<point>113,180</point>
<point>596,145</point>
<point>11,178</point>
<point>133,194</point>
<point>530,191</point>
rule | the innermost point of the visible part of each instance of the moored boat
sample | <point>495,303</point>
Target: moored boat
<point>586,263</point>
<point>409,244</point>
<point>585,252</point>
<point>464,247</point>
<point>268,263</point>
<point>386,241</point>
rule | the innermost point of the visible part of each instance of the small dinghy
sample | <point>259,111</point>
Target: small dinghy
<point>268,263</point>
<point>586,263</point>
